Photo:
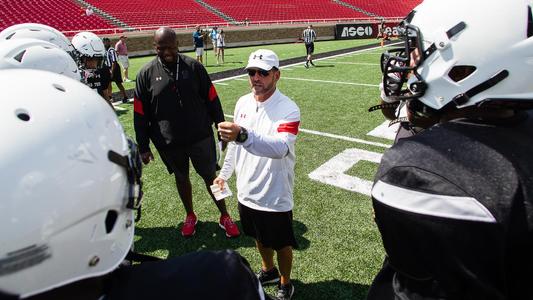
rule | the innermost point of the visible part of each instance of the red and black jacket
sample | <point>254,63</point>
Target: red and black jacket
<point>172,112</point>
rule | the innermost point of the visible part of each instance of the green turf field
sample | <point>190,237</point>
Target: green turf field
<point>340,247</point>
<point>237,57</point>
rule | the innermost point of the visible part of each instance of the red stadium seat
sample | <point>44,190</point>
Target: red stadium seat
<point>64,15</point>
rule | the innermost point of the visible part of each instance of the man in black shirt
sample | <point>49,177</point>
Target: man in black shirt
<point>454,203</point>
<point>175,106</point>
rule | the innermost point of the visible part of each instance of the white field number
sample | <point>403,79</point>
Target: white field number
<point>333,171</point>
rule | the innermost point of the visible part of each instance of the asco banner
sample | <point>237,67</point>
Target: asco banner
<point>363,31</point>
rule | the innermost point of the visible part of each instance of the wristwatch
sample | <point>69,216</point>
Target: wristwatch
<point>242,136</point>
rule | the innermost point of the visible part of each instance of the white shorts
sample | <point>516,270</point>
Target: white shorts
<point>124,61</point>
<point>199,51</point>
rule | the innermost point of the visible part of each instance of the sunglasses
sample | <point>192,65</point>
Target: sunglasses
<point>262,73</point>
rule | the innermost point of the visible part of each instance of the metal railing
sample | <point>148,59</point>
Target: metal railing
<point>148,28</point>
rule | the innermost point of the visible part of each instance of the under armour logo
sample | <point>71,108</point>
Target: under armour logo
<point>260,56</point>
<point>243,116</point>
<point>158,78</point>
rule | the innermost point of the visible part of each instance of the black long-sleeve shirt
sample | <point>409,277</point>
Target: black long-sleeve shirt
<point>174,112</point>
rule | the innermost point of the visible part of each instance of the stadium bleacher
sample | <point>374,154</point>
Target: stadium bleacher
<point>140,13</point>
<point>68,15</point>
<point>64,15</point>
<point>256,11</point>
<point>385,8</point>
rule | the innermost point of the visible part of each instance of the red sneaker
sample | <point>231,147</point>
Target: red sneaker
<point>188,228</point>
<point>229,226</point>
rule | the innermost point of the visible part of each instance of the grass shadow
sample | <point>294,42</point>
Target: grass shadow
<point>121,112</point>
<point>331,289</point>
<point>208,236</point>
<point>324,66</point>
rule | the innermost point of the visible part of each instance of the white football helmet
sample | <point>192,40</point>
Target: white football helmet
<point>69,184</point>
<point>88,44</point>
<point>37,54</point>
<point>474,52</point>
<point>40,32</point>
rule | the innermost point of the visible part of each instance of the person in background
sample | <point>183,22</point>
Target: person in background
<point>90,53</point>
<point>262,155</point>
<point>221,45</point>
<point>453,203</point>
<point>122,52</point>
<point>88,11</point>
<point>198,41</point>
<point>175,107</point>
<point>309,36</point>
<point>213,36</point>
<point>111,63</point>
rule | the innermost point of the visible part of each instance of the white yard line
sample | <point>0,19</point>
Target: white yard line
<point>319,133</point>
<point>330,81</point>
<point>336,136</point>
<point>300,63</point>
<point>322,81</point>
<point>221,83</point>
<point>354,63</point>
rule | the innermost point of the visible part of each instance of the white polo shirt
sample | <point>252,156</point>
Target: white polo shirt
<point>264,163</point>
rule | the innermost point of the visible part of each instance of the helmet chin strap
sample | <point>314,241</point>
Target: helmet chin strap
<point>487,84</point>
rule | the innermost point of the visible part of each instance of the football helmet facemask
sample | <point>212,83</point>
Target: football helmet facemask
<point>88,45</point>
<point>457,55</point>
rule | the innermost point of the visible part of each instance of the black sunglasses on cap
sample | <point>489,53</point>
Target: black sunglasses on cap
<point>262,73</point>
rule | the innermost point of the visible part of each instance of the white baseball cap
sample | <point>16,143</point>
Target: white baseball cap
<point>263,59</point>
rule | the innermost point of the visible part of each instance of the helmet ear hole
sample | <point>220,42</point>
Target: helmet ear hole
<point>110,220</point>
<point>19,56</point>
<point>459,73</point>
<point>22,114</point>
<point>59,87</point>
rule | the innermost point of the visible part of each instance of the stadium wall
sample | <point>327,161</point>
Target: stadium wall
<point>141,44</point>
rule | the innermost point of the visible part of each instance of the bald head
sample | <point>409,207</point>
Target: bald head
<point>164,33</point>
<point>165,43</point>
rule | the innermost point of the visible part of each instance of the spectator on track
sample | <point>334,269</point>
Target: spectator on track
<point>221,46</point>
<point>122,51</point>
<point>198,41</point>
<point>213,35</point>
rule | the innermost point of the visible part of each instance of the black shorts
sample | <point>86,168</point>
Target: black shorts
<point>202,154</point>
<point>272,229</point>
<point>105,78</point>
<point>310,48</point>
<point>116,76</point>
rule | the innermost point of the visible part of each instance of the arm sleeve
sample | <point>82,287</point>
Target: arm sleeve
<point>229,162</point>
<point>279,144</point>
<point>141,111</point>
<point>210,96</point>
